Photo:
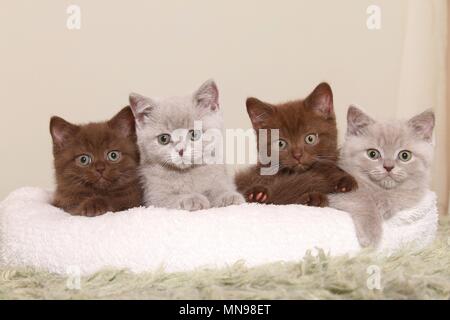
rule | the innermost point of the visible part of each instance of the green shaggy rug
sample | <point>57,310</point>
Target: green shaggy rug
<point>408,274</point>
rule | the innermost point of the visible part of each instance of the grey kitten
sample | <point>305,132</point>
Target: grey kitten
<point>174,138</point>
<point>391,162</point>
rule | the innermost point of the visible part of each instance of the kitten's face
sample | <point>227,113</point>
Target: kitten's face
<point>307,129</point>
<point>175,132</point>
<point>391,154</point>
<point>96,156</point>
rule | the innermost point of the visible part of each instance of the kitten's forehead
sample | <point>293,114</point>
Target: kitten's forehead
<point>389,137</point>
<point>177,113</point>
<point>389,134</point>
<point>295,121</point>
<point>98,137</point>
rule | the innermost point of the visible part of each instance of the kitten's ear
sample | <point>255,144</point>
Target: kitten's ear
<point>124,123</point>
<point>321,100</point>
<point>207,96</point>
<point>357,121</point>
<point>423,124</point>
<point>140,106</point>
<point>61,131</point>
<point>259,112</point>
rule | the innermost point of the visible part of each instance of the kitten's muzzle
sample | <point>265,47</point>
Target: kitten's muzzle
<point>100,167</point>
<point>388,165</point>
<point>297,156</point>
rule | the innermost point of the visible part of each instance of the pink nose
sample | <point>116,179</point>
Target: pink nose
<point>100,167</point>
<point>297,156</point>
<point>181,152</point>
<point>388,168</point>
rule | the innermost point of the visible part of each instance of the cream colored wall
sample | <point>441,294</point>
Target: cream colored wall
<point>448,109</point>
<point>275,50</point>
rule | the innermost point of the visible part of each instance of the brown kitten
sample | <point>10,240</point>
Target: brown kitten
<point>96,165</point>
<point>307,152</point>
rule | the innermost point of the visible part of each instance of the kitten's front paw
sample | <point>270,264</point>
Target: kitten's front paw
<point>230,198</point>
<point>368,237</point>
<point>388,214</point>
<point>92,208</point>
<point>193,203</point>
<point>258,194</point>
<point>314,199</point>
<point>346,184</point>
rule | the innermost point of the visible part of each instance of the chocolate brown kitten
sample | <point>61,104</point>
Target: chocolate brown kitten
<point>96,165</point>
<point>307,143</point>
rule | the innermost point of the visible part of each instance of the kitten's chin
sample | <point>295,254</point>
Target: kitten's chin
<point>178,165</point>
<point>300,168</point>
<point>183,166</point>
<point>184,163</point>
<point>102,184</point>
<point>296,168</point>
<point>387,183</point>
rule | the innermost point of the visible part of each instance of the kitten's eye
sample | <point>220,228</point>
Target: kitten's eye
<point>164,138</point>
<point>194,135</point>
<point>405,155</point>
<point>114,156</point>
<point>373,154</point>
<point>282,144</point>
<point>84,160</point>
<point>311,138</point>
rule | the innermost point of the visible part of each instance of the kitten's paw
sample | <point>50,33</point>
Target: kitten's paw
<point>257,194</point>
<point>369,237</point>
<point>229,199</point>
<point>388,214</point>
<point>346,184</point>
<point>314,199</point>
<point>93,208</point>
<point>194,202</point>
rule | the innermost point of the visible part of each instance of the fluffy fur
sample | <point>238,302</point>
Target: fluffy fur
<point>96,165</point>
<point>306,171</point>
<point>387,184</point>
<point>177,174</point>
<point>407,274</point>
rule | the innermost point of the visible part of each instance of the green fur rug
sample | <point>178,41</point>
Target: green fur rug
<point>408,274</point>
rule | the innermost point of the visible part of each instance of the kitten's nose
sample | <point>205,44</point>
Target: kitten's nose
<point>181,152</point>
<point>297,156</point>
<point>100,167</point>
<point>388,168</point>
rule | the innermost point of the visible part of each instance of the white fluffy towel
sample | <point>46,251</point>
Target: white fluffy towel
<point>34,233</point>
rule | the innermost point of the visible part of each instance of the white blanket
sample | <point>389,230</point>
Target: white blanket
<point>34,233</point>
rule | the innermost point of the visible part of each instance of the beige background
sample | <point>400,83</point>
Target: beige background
<point>275,50</point>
